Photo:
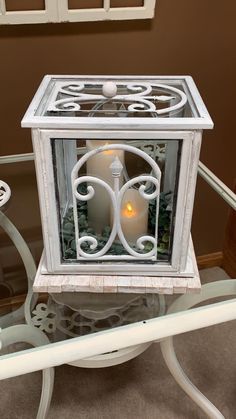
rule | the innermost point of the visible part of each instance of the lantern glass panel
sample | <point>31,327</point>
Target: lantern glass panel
<point>94,218</point>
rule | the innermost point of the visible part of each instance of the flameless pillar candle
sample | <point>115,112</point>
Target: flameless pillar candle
<point>134,215</point>
<point>99,166</point>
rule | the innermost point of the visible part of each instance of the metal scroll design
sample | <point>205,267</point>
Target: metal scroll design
<point>5,193</point>
<point>141,97</point>
<point>53,316</point>
<point>116,195</point>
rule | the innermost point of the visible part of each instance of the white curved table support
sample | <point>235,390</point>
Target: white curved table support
<point>30,267</point>
<point>24,333</point>
<point>113,339</point>
<point>34,337</point>
<point>70,351</point>
<point>213,290</point>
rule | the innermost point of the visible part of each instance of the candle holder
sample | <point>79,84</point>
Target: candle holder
<point>116,161</point>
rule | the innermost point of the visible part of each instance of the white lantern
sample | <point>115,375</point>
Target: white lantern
<point>116,161</point>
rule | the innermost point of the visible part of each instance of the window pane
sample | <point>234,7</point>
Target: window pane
<point>18,5</point>
<point>85,4</point>
<point>126,3</point>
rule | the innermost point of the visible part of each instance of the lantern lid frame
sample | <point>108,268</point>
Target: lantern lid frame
<point>37,115</point>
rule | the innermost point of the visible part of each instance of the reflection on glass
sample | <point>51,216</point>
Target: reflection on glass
<point>137,215</point>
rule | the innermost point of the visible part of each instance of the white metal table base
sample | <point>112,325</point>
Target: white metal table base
<point>21,332</point>
<point>32,336</point>
<point>76,350</point>
<point>212,290</point>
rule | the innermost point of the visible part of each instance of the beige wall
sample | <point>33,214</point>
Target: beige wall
<point>186,37</point>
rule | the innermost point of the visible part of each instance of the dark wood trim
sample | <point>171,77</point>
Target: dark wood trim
<point>17,301</point>
<point>229,247</point>
<point>210,260</point>
<point>30,235</point>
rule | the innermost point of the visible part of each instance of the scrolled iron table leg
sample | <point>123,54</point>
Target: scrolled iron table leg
<point>212,290</point>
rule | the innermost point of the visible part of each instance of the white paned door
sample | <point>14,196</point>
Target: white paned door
<point>12,12</point>
<point>106,10</point>
<point>45,11</point>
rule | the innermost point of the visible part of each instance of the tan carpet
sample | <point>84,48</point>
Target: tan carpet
<point>141,388</point>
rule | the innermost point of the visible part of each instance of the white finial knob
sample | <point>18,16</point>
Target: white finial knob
<point>116,167</point>
<point>109,89</point>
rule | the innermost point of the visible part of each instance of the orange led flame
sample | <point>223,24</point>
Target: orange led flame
<point>108,151</point>
<point>129,211</point>
<point>129,207</point>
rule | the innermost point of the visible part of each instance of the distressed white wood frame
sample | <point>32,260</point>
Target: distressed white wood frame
<point>201,120</point>
<point>191,141</point>
<point>118,283</point>
<point>106,12</point>
<point>58,11</point>
<point>49,14</point>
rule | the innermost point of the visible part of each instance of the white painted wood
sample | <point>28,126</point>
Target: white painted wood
<point>2,7</point>
<point>189,197</point>
<point>45,200</point>
<point>106,12</point>
<point>110,284</point>
<point>125,123</point>
<point>182,197</point>
<point>180,283</point>
<point>197,100</point>
<point>106,4</point>
<point>58,11</point>
<point>185,199</point>
<point>33,116</point>
<point>50,14</point>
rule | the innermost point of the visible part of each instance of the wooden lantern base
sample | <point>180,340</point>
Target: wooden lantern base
<point>178,284</point>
